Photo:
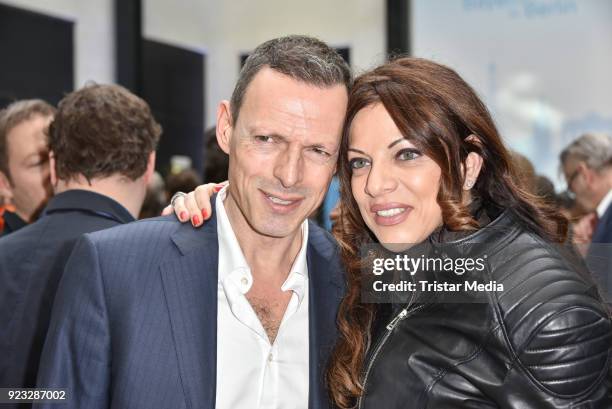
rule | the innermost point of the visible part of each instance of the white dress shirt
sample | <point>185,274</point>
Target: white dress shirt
<point>603,205</point>
<point>251,372</point>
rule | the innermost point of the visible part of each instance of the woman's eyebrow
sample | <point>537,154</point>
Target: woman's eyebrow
<point>357,150</point>
<point>392,144</point>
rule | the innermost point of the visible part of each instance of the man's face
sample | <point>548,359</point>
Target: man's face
<point>283,150</point>
<point>28,164</point>
<point>582,181</point>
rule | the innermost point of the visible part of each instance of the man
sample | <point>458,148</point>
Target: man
<point>102,153</point>
<point>24,164</point>
<point>240,313</point>
<point>587,165</point>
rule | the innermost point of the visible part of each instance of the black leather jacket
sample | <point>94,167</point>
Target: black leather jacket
<point>542,342</point>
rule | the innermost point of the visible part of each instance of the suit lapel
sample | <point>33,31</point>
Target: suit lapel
<point>325,293</point>
<point>190,286</point>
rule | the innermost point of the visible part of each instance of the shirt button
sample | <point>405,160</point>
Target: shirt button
<point>244,281</point>
<point>270,357</point>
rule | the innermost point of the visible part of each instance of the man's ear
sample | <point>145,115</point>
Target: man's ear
<point>52,172</point>
<point>224,126</point>
<point>150,168</point>
<point>6,190</point>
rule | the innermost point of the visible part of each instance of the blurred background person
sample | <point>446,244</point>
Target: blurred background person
<point>525,172</point>
<point>216,162</point>
<point>587,166</point>
<point>155,199</point>
<point>567,204</point>
<point>544,188</point>
<point>184,181</point>
<point>102,155</point>
<point>24,164</point>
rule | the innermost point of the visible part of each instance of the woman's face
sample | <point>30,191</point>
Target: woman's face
<point>393,183</point>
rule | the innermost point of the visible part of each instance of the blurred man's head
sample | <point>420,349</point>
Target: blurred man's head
<point>587,166</point>
<point>186,180</point>
<point>24,159</point>
<point>282,131</point>
<point>103,138</point>
<point>216,162</point>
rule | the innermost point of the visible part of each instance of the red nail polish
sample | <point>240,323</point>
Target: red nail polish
<point>183,215</point>
<point>218,188</point>
<point>204,214</point>
<point>195,220</point>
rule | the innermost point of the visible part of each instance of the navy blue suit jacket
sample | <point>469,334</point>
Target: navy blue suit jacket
<point>599,257</point>
<point>135,319</point>
<point>32,261</point>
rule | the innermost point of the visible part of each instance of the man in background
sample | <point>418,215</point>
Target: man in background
<point>102,154</point>
<point>24,162</point>
<point>587,165</point>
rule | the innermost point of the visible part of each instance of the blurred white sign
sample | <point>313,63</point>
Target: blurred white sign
<point>543,67</point>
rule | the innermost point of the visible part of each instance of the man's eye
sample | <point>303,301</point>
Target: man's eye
<point>320,151</point>
<point>408,154</point>
<point>358,163</point>
<point>38,162</point>
<point>264,138</point>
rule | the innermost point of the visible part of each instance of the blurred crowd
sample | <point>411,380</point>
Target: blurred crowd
<point>25,181</point>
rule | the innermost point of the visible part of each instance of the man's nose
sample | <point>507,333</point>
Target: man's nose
<point>289,167</point>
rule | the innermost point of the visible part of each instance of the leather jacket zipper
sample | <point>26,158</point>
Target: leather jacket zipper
<point>397,319</point>
<point>390,327</point>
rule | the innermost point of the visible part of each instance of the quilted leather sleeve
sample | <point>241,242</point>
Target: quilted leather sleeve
<point>556,324</point>
<point>569,354</point>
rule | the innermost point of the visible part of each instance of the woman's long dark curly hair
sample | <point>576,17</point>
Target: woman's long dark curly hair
<point>437,111</point>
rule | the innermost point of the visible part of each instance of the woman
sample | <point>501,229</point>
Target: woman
<point>422,163</point>
<point>420,146</point>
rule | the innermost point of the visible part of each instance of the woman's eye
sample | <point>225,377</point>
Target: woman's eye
<point>408,154</point>
<point>358,163</point>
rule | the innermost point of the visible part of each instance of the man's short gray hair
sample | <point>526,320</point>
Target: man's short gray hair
<point>595,149</point>
<point>302,58</point>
